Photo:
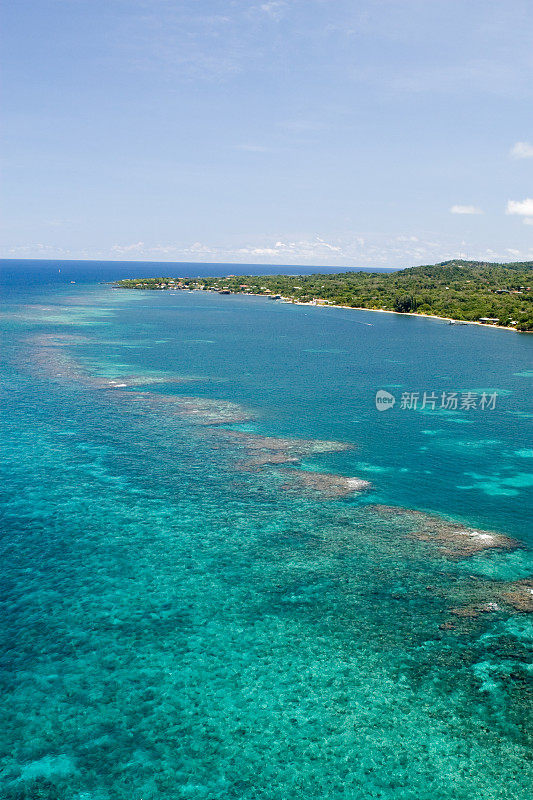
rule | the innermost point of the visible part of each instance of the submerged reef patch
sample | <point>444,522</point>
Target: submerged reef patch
<point>57,364</point>
<point>264,450</point>
<point>490,597</point>
<point>202,410</point>
<point>326,483</point>
<point>520,595</point>
<point>58,339</point>
<point>452,539</point>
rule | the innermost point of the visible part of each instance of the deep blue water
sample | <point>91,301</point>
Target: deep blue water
<point>16,273</point>
<point>193,604</point>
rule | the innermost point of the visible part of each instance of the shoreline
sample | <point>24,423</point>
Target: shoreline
<point>288,301</point>
<point>435,316</point>
<point>399,313</point>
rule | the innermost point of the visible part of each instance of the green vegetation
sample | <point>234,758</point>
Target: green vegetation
<point>461,290</point>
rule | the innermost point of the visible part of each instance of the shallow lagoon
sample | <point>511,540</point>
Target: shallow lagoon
<point>187,614</point>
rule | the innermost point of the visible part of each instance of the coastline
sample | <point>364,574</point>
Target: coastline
<point>291,301</point>
<point>478,293</point>
<point>399,313</point>
<point>432,316</point>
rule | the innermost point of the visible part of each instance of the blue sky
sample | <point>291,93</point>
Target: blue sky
<point>327,132</point>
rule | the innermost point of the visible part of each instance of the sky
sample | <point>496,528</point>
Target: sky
<point>323,132</point>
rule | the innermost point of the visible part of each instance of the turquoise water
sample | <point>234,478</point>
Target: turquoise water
<point>196,604</point>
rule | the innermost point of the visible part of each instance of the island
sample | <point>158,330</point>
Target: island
<point>498,295</point>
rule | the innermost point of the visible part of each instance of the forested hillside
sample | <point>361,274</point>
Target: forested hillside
<point>461,290</point>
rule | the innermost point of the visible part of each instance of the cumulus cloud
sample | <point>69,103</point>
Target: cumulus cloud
<point>465,210</point>
<point>303,249</point>
<point>522,150</point>
<point>128,248</point>
<point>350,249</point>
<point>522,208</point>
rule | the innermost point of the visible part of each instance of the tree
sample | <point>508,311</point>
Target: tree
<point>405,303</point>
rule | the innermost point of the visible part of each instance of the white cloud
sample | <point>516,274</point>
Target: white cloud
<point>522,150</point>
<point>522,208</point>
<point>274,9</point>
<point>260,251</point>
<point>128,248</point>
<point>321,243</point>
<point>348,249</point>
<point>198,247</point>
<point>298,249</point>
<point>37,250</point>
<point>465,210</point>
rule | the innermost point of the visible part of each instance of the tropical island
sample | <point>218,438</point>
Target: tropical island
<point>493,294</point>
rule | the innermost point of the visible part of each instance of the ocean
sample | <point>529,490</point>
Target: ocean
<point>227,573</point>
